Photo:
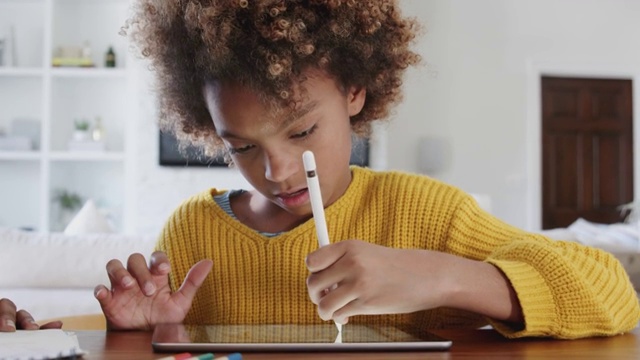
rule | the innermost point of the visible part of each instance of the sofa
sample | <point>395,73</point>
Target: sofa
<point>53,275</point>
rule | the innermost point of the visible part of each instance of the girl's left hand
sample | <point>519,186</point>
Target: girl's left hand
<point>373,279</point>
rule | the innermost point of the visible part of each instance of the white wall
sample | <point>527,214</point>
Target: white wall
<point>475,93</point>
<point>159,190</point>
<point>471,91</point>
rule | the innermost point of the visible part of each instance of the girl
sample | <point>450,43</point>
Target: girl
<point>265,81</point>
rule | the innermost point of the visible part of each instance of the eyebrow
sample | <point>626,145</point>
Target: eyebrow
<point>299,113</point>
<point>288,120</point>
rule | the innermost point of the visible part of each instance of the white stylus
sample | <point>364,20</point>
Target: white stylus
<point>317,206</point>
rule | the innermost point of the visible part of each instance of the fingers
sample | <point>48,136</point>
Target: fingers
<point>353,308</point>
<point>52,325</point>
<point>192,282</point>
<point>321,283</point>
<point>137,267</point>
<point>158,266</point>
<point>347,265</point>
<point>324,265</point>
<point>331,290</point>
<point>140,294</point>
<point>335,265</point>
<point>103,295</point>
<point>25,321</point>
<point>118,275</point>
<point>159,263</point>
<point>137,272</point>
<point>10,319</point>
<point>334,300</point>
<point>7,316</point>
<point>120,280</point>
<point>327,255</point>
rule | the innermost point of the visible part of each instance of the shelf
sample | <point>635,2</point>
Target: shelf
<point>24,20</point>
<point>21,194</point>
<point>88,73</point>
<point>104,156</point>
<point>51,98</point>
<point>20,72</point>
<point>19,155</point>
<point>87,156</point>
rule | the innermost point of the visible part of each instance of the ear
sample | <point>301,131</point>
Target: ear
<point>355,100</point>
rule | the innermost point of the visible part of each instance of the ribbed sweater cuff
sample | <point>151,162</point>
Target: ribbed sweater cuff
<point>536,300</point>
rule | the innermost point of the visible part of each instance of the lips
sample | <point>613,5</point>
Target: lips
<point>293,199</point>
<point>291,194</point>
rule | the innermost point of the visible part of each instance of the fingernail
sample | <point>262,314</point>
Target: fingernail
<point>149,288</point>
<point>163,267</point>
<point>31,325</point>
<point>10,323</point>
<point>127,281</point>
<point>98,292</point>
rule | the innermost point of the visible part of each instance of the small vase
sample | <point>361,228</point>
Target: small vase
<point>80,135</point>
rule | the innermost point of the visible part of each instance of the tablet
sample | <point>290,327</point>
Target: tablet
<point>323,337</point>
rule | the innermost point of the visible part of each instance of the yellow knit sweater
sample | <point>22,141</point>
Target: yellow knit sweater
<point>566,290</point>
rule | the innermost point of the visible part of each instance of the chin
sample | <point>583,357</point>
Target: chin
<point>297,211</point>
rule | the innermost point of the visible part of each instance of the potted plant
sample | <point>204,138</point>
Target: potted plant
<point>68,204</point>
<point>81,130</point>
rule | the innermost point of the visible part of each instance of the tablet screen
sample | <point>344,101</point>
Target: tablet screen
<point>175,337</point>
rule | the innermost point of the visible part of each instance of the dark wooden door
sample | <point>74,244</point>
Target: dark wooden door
<point>587,150</point>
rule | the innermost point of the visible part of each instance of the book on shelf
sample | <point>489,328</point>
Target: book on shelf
<point>15,143</point>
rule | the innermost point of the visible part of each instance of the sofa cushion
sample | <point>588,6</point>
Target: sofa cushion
<point>88,220</point>
<point>56,260</point>
<point>46,303</point>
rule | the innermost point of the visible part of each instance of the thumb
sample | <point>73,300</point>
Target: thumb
<point>192,282</point>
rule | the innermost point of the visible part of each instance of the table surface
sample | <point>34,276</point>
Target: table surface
<point>482,344</point>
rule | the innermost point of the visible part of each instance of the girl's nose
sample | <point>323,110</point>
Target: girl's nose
<point>279,167</point>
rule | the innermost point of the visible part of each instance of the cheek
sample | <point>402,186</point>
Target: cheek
<point>254,174</point>
<point>339,143</point>
<point>248,166</point>
<point>337,149</point>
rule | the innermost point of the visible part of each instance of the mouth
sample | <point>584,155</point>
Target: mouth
<point>286,195</point>
<point>295,198</point>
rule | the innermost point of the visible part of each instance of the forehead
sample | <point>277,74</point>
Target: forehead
<point>234,102</point>
<point>236,109</point>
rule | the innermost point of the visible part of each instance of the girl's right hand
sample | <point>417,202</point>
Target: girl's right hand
<point>140,295</point>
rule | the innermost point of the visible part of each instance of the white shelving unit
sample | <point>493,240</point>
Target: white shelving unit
<point>54,96</point>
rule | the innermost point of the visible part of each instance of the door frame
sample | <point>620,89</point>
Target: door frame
<point>535,70</point>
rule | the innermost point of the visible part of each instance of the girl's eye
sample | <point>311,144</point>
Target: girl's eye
<point>304,134</point>
<point>240,150</point>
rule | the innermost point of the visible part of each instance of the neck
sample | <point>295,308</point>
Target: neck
<point>258,213</point>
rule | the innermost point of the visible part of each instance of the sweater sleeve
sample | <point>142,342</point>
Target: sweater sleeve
<point>179,238</point>
<point>566,290</point>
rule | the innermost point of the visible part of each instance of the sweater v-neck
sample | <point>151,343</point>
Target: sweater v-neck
<point>358,176</point>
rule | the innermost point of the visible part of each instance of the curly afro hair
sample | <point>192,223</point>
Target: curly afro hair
<point>267,44</point>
